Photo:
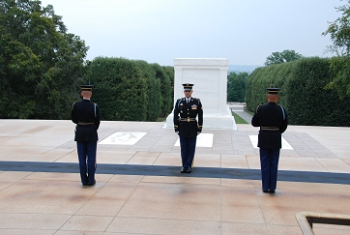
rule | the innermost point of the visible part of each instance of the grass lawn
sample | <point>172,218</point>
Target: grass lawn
<point>238,119</point>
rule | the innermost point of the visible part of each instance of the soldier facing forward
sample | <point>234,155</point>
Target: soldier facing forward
<point>186,126</point>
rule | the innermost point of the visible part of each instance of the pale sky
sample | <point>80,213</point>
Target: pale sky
<point>245,32</point>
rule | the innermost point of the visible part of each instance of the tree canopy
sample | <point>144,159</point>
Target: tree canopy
<point>236,86</point>
<point>39,62</point>
<point>339,31</point>
<point>282,57</point>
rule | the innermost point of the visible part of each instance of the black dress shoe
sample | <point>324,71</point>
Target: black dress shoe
<point>183,170</point>
<point>266,191</point>
<point>272,191</point>
<point>188,170</point>
<point>92,184</point>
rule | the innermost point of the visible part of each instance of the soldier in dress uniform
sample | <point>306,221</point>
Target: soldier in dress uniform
<point>86,116</point>
<point>186,125</point>
<point>273,121</point>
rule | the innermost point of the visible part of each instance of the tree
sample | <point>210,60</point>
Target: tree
<point>40,63</point>
<point>339,30</point>
<point>236,86</point>
<point>282,57</point>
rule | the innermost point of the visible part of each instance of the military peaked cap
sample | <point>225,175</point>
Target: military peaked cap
<point>188,86</point>
<point>273,90</point>
<point>86,87</point>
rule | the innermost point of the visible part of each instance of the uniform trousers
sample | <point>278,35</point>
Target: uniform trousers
<point>269,166</point>
<point>188,146</point>
<point>87,161</point>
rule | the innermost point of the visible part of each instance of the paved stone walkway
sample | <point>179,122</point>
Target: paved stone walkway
<point>139,188</point>
<point>238,108</point>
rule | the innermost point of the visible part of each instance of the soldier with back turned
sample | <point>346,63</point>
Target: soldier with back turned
<point>86,116</point>
<point>273,121</point>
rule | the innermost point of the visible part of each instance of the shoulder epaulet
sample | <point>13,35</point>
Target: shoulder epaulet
<point>197,99</point>
<point>178,102</point>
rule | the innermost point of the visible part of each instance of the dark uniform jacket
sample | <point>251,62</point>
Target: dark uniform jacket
<point>86,115</point>
<point>272,116</point>
<point>185,117</point>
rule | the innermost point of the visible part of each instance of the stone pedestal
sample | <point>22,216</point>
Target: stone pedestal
<point>209,76</point>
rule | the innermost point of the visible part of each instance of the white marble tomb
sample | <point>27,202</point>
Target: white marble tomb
<point>209,76</point>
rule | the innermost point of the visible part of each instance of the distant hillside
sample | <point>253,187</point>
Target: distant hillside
<point>242,68</point>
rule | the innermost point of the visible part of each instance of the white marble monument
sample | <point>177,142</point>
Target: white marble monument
<point>209,76</point>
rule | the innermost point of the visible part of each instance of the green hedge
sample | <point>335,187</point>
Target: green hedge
<point>165,91</point>
<point>169,70</point>
<point>119,89</point>
<point>128,90</point>
<point>302,92</point>
<point>261,78</point>
<point>152,95</point>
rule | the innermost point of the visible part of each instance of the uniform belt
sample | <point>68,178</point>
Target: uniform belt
<point>269,128</point>
<point>188,120</point>
<point>85,123</point>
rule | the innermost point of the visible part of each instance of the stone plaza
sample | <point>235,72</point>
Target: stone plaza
<point>140,189</point>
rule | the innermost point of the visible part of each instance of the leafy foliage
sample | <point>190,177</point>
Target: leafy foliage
<point>282,57</point>
<point>39,62</point>
<point>42,66</point>
<point>236,86</point>
<point>340,66</point>
<point>165,90</point>
<point>169,70</point>
<point>128,90</point>
<point>339,30</point>
<point>302,92</point>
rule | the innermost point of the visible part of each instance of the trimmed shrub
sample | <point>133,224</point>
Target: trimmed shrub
<point>303,92</point>
<point>120,89</point>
